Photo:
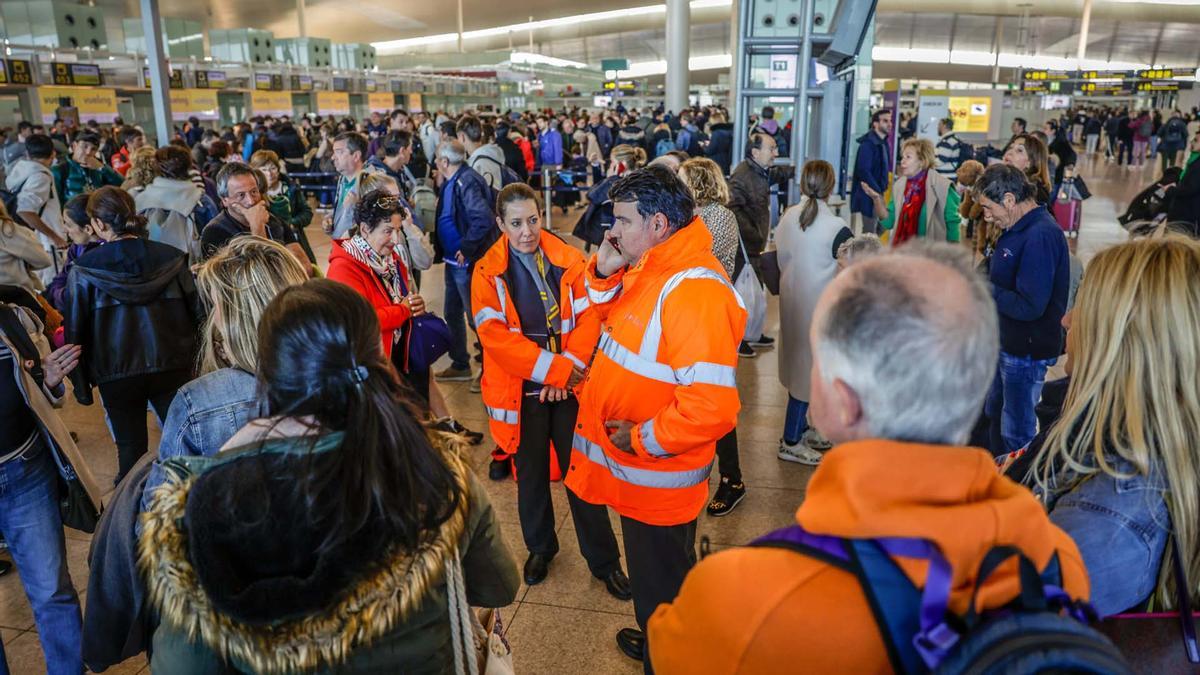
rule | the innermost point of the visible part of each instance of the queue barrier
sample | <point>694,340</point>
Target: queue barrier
<point>320,184</point>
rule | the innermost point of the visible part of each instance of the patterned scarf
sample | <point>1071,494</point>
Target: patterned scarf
<point>909,217</point>
<point>387,269</point>
<point>1187,165</point>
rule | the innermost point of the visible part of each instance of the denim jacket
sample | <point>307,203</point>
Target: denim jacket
<point>206,412</point>
<point>1121,526</point>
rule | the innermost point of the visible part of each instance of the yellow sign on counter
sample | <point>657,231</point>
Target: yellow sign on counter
<point>333,103</point>
<point>199,103</point>
<point>93,104</point>
<point>971,114</point>
<point>271,102</point>
<point>381,102</point>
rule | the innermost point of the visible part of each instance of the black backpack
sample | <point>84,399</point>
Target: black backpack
<point>1042,630</point>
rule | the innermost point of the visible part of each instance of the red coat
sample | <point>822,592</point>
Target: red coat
<point>392,317</point>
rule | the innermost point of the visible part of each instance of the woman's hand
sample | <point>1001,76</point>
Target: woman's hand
<point>553,394</point>
<point>416,304</point>
<point>880,205</point>
<point>59,363</point>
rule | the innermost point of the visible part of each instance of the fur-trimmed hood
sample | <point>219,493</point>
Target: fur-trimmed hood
<point>299,610</point>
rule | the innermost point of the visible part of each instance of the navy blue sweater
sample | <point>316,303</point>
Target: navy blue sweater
<point>1030,275</point>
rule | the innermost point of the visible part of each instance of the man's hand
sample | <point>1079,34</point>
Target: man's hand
<point>553,394</point>
<point>256,217</point>
<point>460,258</point>
<point>576,377</point>
<point>416,304</point>
<point>608,258</point>
<point>59,363</point>
<point>327,225</point>
<point>619,434</point>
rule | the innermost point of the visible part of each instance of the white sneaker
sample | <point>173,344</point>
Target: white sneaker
<point>813,439</point>
<point>799,453</point>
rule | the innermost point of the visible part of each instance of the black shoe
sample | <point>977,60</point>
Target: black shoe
<point>632,643</point>
<point>745,352</point>
<point>727,496</point>
<point>763,342</point>
<point>618,585</point>
<point>473,437</point>
<point>537,566</point>
<point>499,469</point>
<point>5,567</point>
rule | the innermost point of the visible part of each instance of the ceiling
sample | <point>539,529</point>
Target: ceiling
<point>1155,31</point>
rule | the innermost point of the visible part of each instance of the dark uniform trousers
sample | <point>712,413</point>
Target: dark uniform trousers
<point>540,424</point>
<point>659,557</point>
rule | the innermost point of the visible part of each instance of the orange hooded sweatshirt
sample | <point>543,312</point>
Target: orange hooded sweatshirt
<point>770,610</point>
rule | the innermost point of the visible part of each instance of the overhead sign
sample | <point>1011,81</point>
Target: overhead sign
<point>93,104</point>
<point>76,74</point>
<point>1165,73</point>
<point>268,81</point>
<point>1095,89</point>
<point>176,78</point>
<point>1158,85</point>
<point>1043,75</point>
<point>1105,74</point>
<point>931,108</point>
<point>614,64</point>
<point>333,103</point>
<point>341,84</point>
<point>369,85</point>
<point>15,71</point>
<point>415,103</point>
<point>211,79</point>
<point>782,74</point>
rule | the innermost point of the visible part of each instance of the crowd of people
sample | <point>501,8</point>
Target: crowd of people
<point>914,355</point>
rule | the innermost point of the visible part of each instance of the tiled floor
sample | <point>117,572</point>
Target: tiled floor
<point>568,623</point>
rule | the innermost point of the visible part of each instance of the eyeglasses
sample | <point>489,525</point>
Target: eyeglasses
<point>387,203</point>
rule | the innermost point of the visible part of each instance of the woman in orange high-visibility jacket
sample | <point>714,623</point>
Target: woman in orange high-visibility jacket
<point>531,313</point>
<point>662,388</point>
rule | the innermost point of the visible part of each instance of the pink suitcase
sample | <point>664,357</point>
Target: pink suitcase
<point>1067,215</point>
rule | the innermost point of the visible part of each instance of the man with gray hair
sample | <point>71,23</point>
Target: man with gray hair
<point>244,211</point>
<point>898,416</point>
<point>1031,277</point>
<point>466,228</point>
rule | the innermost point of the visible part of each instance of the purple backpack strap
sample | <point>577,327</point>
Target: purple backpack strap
<point>797,538</point>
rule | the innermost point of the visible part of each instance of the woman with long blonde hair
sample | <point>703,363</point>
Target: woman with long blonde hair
<point>704,178</point>
<point>236,284</point>
<point>143,169</point>
<point>1119,469</point>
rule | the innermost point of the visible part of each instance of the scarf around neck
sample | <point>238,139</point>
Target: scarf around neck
<point>907,221</point>
<point>1187,165</point>
<point>386,268</point>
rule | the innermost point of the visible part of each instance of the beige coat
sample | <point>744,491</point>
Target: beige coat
<point>43,402</point>
<point>937,187</point>
<point>806,266</point>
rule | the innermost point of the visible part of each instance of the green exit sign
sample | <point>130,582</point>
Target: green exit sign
<point>614,64</point>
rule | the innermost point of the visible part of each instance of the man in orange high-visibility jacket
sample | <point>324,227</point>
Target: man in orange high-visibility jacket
<point>662,387</point>
<point>531,311</point>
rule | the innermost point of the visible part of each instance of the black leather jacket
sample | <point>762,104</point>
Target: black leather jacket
<point>132,305</point>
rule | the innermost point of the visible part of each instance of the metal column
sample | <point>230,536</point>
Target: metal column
<point>301,18</point>
<point>1084,25</point>
<point>678,38</point>
<point>799,149</point>
<point>160,76</point>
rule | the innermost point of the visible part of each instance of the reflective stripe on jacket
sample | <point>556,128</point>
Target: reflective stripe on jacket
<point>510,358</point>
<point>667,362</point>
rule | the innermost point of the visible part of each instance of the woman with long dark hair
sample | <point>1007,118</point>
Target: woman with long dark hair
<point>322,536</point>
<point>132,305</point>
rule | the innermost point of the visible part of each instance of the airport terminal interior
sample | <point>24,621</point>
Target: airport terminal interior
<point>705,336</point>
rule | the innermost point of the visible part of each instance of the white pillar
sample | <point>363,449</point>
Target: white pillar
<point>678,43</point>
<point>160,76</point>
<point>1084,25</point>
<point>301,19</point>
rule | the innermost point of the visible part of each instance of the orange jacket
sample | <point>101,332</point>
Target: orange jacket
<point>771,610</point>
<point>667,363</point>
<point>510,358</point>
